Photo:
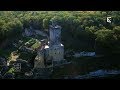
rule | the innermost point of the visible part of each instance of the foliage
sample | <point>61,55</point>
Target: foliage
<point>36,45</point>
<point>108,41</point>
<point>78,27</point>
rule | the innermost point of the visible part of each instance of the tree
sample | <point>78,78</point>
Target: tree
<point>45,23</point>
<point>107,42</point>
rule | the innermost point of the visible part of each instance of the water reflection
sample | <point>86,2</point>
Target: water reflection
<point>98,73</point>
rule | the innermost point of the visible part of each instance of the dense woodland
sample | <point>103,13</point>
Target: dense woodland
<point>81,30</point>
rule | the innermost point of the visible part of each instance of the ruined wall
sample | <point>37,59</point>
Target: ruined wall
<point>39,60</point>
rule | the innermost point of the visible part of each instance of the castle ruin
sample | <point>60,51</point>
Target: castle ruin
<point>51,52</point>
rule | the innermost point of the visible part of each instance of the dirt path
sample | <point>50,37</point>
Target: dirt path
<point>14,57</point>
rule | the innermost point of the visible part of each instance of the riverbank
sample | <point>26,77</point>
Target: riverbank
<point>85,65</point>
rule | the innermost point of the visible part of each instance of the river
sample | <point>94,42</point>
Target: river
<point>99,74</point>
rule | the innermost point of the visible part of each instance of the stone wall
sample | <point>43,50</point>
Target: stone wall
<point>57,52</point>
<point>39,60</point>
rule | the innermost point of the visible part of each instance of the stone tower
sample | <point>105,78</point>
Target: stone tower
<point>56,49</point>
<point>50,54</point>
<point>53,52</point>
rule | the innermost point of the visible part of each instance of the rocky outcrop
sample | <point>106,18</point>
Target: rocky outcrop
<point>33,32</point>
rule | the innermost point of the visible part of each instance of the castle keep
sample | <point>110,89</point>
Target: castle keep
<point>51,52</point>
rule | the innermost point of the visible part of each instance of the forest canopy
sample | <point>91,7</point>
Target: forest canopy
<point>81,30</point>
